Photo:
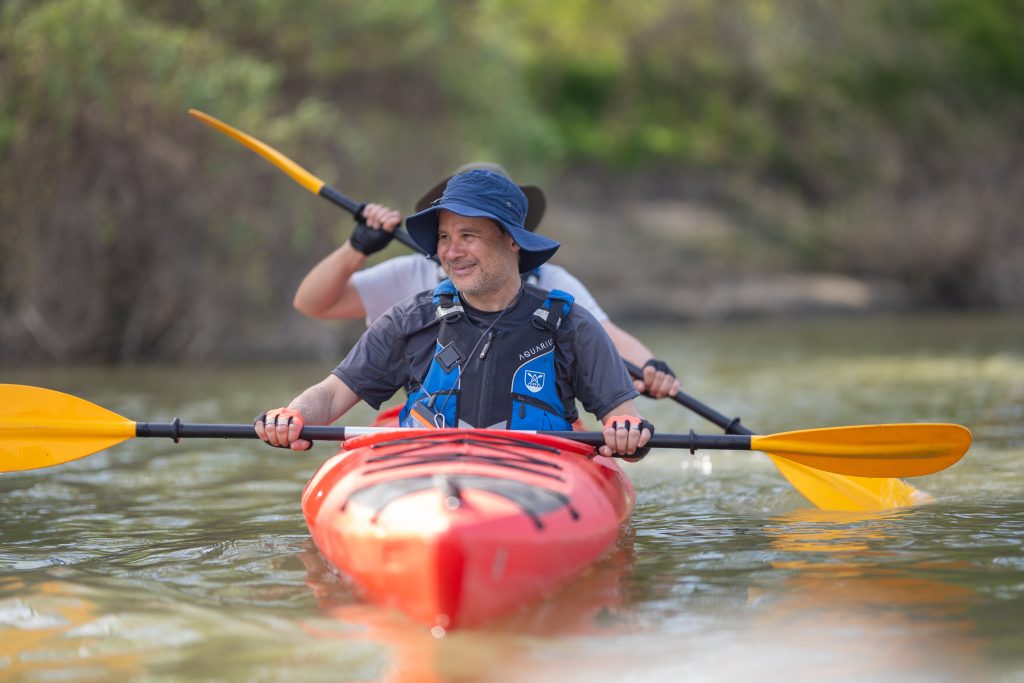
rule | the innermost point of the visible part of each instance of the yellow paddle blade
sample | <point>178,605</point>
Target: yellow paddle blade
<point>830,491</point>
<point>297,173</point>
<point>42,427</point>
<point>895,450</point>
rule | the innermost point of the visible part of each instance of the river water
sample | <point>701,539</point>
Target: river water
<point>160,562</point>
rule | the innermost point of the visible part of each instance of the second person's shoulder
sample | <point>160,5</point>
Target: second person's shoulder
<point>412,312</point>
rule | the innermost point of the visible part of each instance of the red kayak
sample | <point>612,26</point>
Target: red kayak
<point>456,527</point>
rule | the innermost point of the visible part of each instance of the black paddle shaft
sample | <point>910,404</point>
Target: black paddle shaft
<point>177,430</point>
<point>356,209</point>
<point>730,425</point>
<point>692,442</point>
<point>180,430</point>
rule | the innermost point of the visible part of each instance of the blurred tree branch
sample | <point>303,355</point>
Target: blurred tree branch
<point>128,232</point>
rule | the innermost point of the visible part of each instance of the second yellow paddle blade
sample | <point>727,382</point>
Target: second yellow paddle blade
<point>895,450</point>
<point>830,491</point>
<point>42,427</point>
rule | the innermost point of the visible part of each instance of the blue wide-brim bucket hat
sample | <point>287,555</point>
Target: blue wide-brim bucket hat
<point>484,194</point>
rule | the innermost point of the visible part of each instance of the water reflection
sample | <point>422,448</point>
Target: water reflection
<point>846,587</point>
<point>55,630</point>
<point>593,605</point>
<point>156,561</point>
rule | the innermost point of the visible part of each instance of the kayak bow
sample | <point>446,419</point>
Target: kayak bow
<point>458,527</point>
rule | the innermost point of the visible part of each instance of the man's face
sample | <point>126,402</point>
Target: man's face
<point>478,256</point>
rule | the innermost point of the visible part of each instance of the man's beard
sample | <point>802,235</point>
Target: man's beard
<point>482,283</point>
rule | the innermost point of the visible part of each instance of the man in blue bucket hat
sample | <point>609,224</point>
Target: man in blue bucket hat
<point>484,194</point>
<point>483,349</point>
<point>340,287</point>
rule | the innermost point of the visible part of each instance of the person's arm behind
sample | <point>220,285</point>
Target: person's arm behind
<point>659,381</point>
<point>327,291</point>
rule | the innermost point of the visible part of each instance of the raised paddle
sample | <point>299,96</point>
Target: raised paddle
<point>41,427</point>
<point>296,172</point>
<point>827,490</point>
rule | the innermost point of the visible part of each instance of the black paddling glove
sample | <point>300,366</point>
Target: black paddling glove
<point>367,240</point>
<point>644,450</point>
<point>660,366</point>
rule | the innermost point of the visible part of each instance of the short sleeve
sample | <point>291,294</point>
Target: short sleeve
<point>376,367</point>
<point>599,378</point>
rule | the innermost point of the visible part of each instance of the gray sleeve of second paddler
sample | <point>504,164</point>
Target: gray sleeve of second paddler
<point>376,367</point>
<point>599,377</point>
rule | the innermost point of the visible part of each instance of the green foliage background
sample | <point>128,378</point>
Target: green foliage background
<point>870,138</point>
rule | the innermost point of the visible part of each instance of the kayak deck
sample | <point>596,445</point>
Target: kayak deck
<point>457,527</point>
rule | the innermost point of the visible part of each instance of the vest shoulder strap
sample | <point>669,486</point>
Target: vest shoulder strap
<point>553,311</point>
<point>446,301</point>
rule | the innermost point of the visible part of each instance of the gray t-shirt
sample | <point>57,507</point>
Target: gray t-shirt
<point>382,286</point>
<point>398,347</point>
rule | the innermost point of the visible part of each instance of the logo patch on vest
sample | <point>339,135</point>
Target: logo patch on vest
<point>534,381</point>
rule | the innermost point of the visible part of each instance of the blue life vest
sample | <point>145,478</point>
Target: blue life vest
<point>502,379</point>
